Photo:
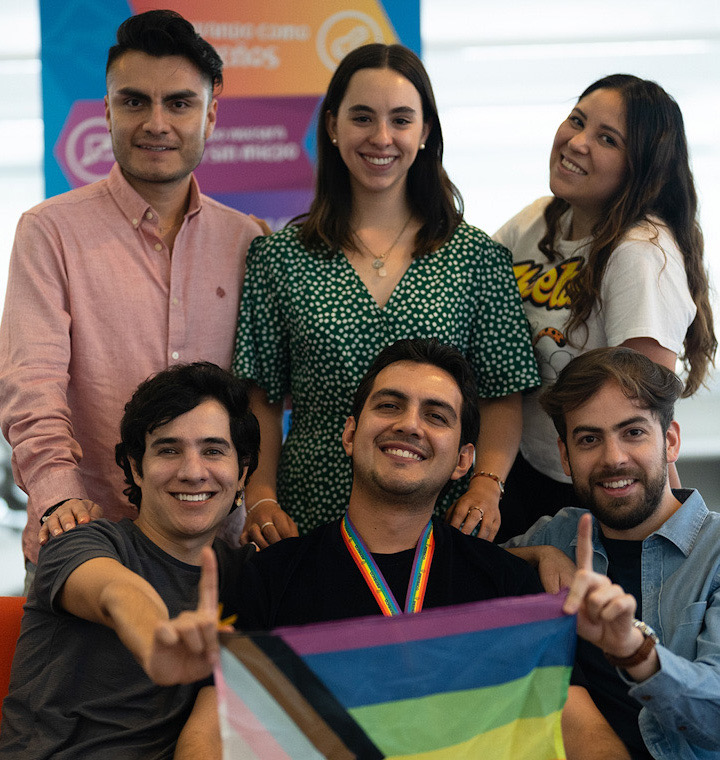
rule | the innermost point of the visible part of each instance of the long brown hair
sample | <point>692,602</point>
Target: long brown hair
<point>659,183</point>
<point>431,194</point>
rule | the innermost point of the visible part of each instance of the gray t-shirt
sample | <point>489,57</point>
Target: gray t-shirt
<point>75,690</point>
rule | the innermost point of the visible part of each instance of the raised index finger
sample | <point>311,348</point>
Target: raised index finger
<point>208,586</point>
<point>584,553</point>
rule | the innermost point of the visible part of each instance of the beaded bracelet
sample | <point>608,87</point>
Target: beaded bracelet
<point>492,476</point>
<point>250,509</point>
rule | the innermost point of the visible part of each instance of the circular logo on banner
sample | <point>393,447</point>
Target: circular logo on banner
<point>344,31</point>
<point>88,150</point>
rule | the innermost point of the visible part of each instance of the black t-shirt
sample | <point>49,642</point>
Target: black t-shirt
<point>314,578</point>
<point>594,672</point>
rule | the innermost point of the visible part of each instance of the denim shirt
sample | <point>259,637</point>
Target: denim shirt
<point>680,715</point>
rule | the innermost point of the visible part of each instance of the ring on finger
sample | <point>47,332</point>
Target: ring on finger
<point>265,524</point>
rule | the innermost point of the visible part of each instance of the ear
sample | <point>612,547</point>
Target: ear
<point>672,442</point>
<point>464,461</point>
<point>107,113</point>
<point>330,124</point>
<point>426,131</point>
<point>211,118</point>
<point>241,480</point>
<point>137,476</point>
<point>348,436</point>
<point>564,456</point>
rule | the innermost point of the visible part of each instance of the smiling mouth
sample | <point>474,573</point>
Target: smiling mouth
<point>571,167</point>
<point>192,496</point>
<point>379,160</point>
<point>155,148</point>
<point>404,453</point>
<point>617,484</point>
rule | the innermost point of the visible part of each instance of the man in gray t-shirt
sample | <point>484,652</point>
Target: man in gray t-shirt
<point>115,605</point>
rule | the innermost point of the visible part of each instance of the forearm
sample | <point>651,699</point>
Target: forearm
<point>262,483</point>
<point>104,591</point>
<point>200,738</point>
<point>500,432</point>
<point>35,349</point>
<point>586,733</point>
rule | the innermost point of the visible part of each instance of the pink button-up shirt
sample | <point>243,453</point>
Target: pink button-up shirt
<point>95,304</point>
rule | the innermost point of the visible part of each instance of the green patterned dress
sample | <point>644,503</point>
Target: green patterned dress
<point>309,327</point>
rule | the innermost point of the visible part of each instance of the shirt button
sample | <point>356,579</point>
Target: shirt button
<point>175,355</point>
<point>682,728</point>
<point>175,302</point>
<point>149,215</point>
<point>158,246</point>
<point>135,222</point>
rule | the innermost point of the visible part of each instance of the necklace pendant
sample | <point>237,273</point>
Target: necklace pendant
<point>378,264</point>
<point>382,272</point>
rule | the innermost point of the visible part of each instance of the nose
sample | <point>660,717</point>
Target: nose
<point>192,467</point>
<point>409,421</point>
<point>382,135</point>
<point>614,454</point>
<point>578,141</point>
<point>156,122</point>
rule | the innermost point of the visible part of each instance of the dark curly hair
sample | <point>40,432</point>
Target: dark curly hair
<point>175,391</point>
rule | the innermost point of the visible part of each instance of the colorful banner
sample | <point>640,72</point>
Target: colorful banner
<point>278,58</point>
<point>480,680</point>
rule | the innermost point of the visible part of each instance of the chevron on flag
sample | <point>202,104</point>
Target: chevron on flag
<point>481,680</point>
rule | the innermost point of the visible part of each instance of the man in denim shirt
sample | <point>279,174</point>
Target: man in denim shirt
<point>613,410</point>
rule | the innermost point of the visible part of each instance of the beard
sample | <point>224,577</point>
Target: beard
<point>626,512</point>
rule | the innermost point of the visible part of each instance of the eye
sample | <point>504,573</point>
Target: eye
<point>635,433</point>
<point>179,105</point>
<point>437,418</point>
<point>587,440</point>
<point>403,121</point>
<point>361,119</point>
<point>167,451</point>
<point>132,102</point>
<point>214,452</point>
<point>609,140</point>
<point>576,121</point>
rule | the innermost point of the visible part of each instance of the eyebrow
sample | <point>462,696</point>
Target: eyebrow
<point>171,440</point>
<point>131,92</point>
<point>400,109</point>
<point>437,403</point>
<point>606,127</point>
<point>620,425</point>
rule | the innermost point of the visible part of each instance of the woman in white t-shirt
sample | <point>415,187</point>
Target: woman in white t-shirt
<point>615,257</point>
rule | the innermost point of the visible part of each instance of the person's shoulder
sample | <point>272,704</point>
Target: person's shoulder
<point>229,215</point>
<point>64,203</point>
<point>523,222</point>
<point>649,242</point>
<point>282,554</point>
<point>475,246</point>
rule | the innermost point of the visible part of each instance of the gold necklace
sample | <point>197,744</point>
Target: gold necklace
<point>379,261</point>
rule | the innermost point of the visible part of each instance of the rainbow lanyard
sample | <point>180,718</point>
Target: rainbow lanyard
<point>376,581</point>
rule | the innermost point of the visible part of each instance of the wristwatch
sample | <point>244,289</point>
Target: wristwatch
<point>642,653</point>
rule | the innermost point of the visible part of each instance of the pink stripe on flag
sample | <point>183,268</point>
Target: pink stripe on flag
<point>243,721</point>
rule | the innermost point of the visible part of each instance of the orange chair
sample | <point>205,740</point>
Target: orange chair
<point>11,611</point>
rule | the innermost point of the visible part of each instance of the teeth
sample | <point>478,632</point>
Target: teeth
<point>379,161</point>
<point>617,483</point>
<point>570,166</point>
<point>157,148</point>
<point>404,453</point>
<point>192,496</point>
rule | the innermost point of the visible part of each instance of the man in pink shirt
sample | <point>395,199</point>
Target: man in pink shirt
<point>117,280</point>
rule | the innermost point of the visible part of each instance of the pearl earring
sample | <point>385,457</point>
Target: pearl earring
<point>422,146</point>
<point>334,141</point>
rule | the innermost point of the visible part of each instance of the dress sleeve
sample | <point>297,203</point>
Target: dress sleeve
<point>35,346</point>
<point>262,345</point>
<point>645,294</point>
<point>500,347</point>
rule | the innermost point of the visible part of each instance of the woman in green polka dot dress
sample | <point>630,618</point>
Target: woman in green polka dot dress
<point>383,254</point>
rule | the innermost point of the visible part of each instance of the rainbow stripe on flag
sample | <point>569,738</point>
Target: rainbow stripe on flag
<point>481,680</point>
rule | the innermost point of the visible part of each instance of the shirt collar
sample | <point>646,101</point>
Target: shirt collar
<point>134,206</point>
<point>682,528</point>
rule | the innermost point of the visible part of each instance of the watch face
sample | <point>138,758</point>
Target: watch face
<point>646,630</point>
